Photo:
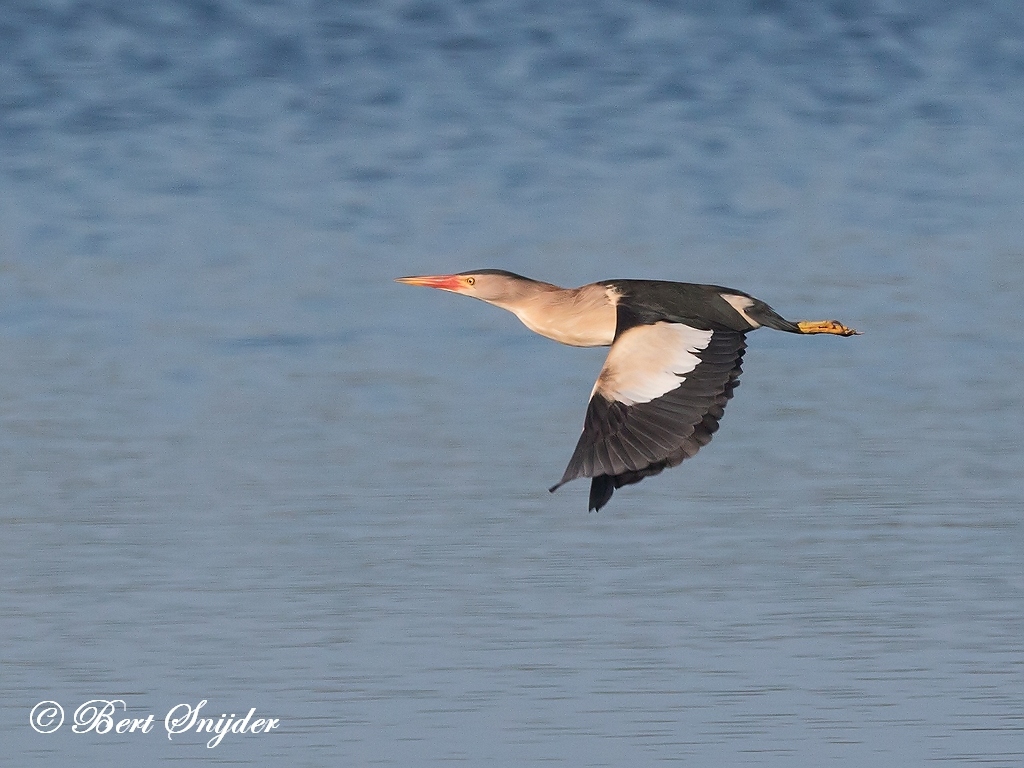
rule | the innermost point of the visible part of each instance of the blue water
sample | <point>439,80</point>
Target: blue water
<point>241,465</point>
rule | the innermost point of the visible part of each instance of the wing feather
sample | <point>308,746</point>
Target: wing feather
<point>657,401</point>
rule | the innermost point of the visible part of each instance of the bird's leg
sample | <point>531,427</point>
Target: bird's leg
<point>826,326</point>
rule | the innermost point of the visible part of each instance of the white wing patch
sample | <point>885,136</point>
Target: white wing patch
<point>741,304</point>
<point>647,361</point>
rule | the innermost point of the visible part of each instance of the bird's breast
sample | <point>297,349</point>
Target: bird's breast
<point>584,317</point>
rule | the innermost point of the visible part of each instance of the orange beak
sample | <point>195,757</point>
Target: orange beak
<point>455,283</point>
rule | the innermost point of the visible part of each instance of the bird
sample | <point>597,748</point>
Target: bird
<point>674,361</point>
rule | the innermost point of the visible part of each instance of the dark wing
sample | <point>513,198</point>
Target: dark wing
<point>657,401</point>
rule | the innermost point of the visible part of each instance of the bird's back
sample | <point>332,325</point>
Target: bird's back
<point>699,306</point>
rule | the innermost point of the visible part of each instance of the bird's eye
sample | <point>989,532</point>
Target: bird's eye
<point>470,281</point>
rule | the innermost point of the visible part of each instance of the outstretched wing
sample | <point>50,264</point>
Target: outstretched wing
<point>657,401</point>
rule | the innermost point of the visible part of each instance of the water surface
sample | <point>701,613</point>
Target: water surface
<point>242,465</point>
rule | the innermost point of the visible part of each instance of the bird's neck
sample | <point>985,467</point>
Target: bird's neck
<point>579,317</point>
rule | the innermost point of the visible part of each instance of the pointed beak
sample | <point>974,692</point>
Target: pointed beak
<point>455,283</point>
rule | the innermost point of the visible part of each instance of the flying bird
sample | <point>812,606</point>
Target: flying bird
<point>675,356</point>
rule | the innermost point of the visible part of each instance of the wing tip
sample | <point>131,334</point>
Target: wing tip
<point>601,489</point>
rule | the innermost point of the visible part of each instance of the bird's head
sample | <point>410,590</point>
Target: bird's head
<point>495,286</point>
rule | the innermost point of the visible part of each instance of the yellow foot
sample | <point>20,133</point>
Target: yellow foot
<point>826,326</point>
